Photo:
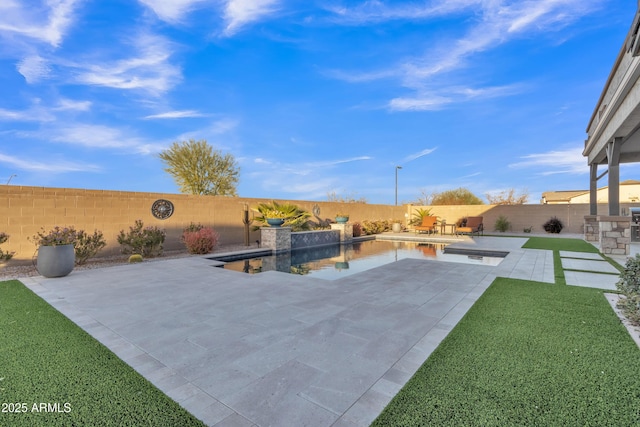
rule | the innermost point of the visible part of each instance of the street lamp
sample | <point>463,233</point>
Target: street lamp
<point>397,167</point>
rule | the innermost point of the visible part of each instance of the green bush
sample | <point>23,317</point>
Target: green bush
<point>88,245</point>
<point>629,285</point>
<point>146,241</point>
<point>502,224</point>
<point>554,225</point>
<point>4,256</point>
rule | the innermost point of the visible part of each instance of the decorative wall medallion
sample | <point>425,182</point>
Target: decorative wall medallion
<point>316,210</point>
<point>162,209</point>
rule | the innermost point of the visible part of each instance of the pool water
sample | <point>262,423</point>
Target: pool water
<point>338,261</point>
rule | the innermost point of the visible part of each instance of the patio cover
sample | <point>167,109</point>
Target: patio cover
<point>613,135</point>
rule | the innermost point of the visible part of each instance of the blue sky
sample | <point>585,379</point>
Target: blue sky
<point>311,96</point>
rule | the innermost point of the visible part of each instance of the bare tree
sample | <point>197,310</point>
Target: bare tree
<point>199,169</point>
<point>338,198</point>
<point>508,197</point>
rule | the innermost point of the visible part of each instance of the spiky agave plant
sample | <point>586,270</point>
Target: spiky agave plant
<point>293,216</point>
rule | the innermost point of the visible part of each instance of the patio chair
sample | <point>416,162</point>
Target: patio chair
<point>473,225</point>
<point>428,225</point>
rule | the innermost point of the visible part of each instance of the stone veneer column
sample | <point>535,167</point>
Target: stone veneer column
<point>276,238</point>
<point>346,232</point>
<point>591,228</point>
<point>615,235</point>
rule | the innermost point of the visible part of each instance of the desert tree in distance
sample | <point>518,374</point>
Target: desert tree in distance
<point>199,169</point>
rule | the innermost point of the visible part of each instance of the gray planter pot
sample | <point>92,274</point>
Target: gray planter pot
<point>396,227</point>
<point>55,261</point>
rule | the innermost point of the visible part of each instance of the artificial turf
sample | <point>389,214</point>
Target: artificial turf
<point>46,359</point>
<point>527,354</point>
<point>558,244</point>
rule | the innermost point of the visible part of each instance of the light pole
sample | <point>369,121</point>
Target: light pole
<point>397,167</point>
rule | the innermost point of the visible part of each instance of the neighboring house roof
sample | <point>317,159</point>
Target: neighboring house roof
<point>562,196</point>
<point>567,195</point>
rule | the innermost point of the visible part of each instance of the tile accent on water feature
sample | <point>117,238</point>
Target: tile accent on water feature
<point>304,239</point>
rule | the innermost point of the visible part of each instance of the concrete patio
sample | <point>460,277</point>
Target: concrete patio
<point>276,349</point>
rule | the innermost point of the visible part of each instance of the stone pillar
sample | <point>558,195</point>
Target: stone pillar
<point>346,232</point>
<point>591,228</point>
<point>615,235</point>
<point>276,238</point>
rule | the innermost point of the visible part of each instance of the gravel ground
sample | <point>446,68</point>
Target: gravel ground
<point>14,270</point>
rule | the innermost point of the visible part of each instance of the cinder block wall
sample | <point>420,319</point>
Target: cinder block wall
<point>25,210</point>
<point>520,216</point>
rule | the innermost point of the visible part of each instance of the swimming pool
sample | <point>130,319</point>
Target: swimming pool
<point>337,261</point>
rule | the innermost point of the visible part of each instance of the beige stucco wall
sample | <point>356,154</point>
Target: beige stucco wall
<point>520,216</point>
<point>24,210</point>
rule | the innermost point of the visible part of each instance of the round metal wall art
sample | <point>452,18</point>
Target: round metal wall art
<point>162,209</point>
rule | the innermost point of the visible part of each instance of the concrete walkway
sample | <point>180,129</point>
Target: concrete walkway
<point>276,349</point>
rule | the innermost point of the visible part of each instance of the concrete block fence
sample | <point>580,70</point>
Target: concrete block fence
<point>24,210</point>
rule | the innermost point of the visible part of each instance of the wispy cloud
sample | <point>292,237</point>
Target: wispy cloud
<point>46,165</point>
<point>238,13</point>
<point>494,23</point>
<point>422,153</point>
<point>33,68</point>
<point>378,11</point>
<point>65,104</point>
<point>47,23</point>
<point>99,136</point>
<point>180,114</point>
<point>451,95</point>
<point>150,70</point>
<point>172,11</point>
<point>569,161</point>
<point>428,103</point>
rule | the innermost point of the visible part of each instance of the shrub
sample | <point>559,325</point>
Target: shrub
<point>87,246</point>
<point>145,241</point>
<point>294,217</point>
<point>629,285</point>
<point>357,229</point>
<point>201,241</point>
<point>135,258</point>
<point>553,225</point>
<point>55,237</point>
<point>84,245</point>
<point>502,224</point>
<point>5,256</point>
<point>375,227</point>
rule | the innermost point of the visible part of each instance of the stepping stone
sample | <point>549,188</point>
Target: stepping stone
<point>589,265</point>
<point>581,255</point>
<point>591,280</point>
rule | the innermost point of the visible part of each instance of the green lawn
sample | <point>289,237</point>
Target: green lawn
<point>559,244</point>
<point>46,358</point>
<point>528,354</point>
